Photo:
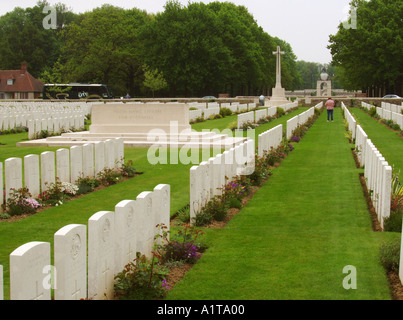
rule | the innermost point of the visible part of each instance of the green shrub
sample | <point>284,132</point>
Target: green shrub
<point>234,203</point>
<point>184,214</point>
<point>216,208</point>
<point>202,219</point>
<point>394,222</point>
<point>128,169</point>
<point>141,280</point>
<point>280,112</point>
<point>372,111</point>
<point>86,184</point>
<point>390,255</point>
<point>225,112</point>
<point>21,202</point>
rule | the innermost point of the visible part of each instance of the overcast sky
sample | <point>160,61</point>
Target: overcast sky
<point>305,24</point>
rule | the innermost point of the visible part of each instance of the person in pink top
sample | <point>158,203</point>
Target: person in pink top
<point>330,107</point>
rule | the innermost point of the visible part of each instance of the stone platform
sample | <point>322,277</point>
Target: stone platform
<point>139,140</point>
<point>141,125</point>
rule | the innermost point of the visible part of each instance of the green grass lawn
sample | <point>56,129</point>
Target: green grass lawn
<point>296,235</point>
<point>386,141</point>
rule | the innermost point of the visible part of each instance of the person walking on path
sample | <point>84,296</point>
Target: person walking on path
<point>330,108</point>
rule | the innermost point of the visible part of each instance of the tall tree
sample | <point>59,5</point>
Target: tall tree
<point>23,38</point>
<point>103,47</point>
<point>370,54</point>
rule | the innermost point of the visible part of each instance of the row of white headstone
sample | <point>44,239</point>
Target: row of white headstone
<point>270,139</point>
<point>114,238</point>
<point>67,165</point>
<point>214,109</point>
<point>352,123</point>
<point>377,171</point>
<point>300,119</point>
<point>208,178</point>
<point>255,116</point>
<point>55,126</point>
<point>18,114</point>
<point>388,111</point>
<point>233,106</point>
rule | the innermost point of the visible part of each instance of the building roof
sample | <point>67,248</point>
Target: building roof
<point>23,81</point>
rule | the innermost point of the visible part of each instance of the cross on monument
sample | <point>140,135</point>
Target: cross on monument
<point>278,53</point>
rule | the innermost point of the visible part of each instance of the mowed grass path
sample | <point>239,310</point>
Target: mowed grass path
<point>294,238</point>
<point>385,140</point>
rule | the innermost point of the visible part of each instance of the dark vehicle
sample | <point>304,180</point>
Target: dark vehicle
<point>76,91</point>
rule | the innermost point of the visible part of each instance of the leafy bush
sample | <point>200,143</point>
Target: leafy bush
<point>394,222</point>
<point>86,184</point>
<point>234,203</point>
<point>21,202</point>
<point>202,219</point>
<point>141,280</point>
<point>372,111</point>
<point>184,214</point>
<point>234,190</point>
<point>181,246</point>
<point>217,208</point>
<point>57,193</point>
<point>390,255</point>
<point>280,112</point>
<point>128,169</point>
<point>109,176</point>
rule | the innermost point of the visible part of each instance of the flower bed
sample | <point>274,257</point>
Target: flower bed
<point>21,204</point>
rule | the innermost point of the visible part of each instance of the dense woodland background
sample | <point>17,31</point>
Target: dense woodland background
<point>196,50</point>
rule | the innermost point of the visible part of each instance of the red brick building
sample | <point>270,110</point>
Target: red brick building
<point>19,84</point>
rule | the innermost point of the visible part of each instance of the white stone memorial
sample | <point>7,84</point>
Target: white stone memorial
<point>13,175</point>
<point>101,258</point>
<point>30,277</point>
<point>48,170</point>
<point>31,174</point>
<point>63,165</point>
<point>76,163</point>
<point>126,225</point>
<point>70,259</point>
<point>278,93</point>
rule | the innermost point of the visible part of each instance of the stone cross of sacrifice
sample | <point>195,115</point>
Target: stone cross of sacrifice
<point>278,70</point>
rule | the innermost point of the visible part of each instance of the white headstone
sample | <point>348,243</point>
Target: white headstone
<point>13,175</point>
<point>88,160</point>
<point>99,156</point>
<point>31,174</point>
<point>101,260</point>
<point>195,192</point>
<point>1,186</point>
<point>144,204</point>
<point>126,233</point>
<point>30,272</point>
<point>1,283</point>
<point>63,165</point>
<point>109,154</point>
<point>70,256</point>
<point>48,173</point>
<point>76,162</point>
<point>162,197</point>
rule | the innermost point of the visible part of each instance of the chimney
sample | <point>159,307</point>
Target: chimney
<point>23,67</point>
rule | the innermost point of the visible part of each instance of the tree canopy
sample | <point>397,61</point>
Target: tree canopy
<point>198,49</point>
<point>369,55</point>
